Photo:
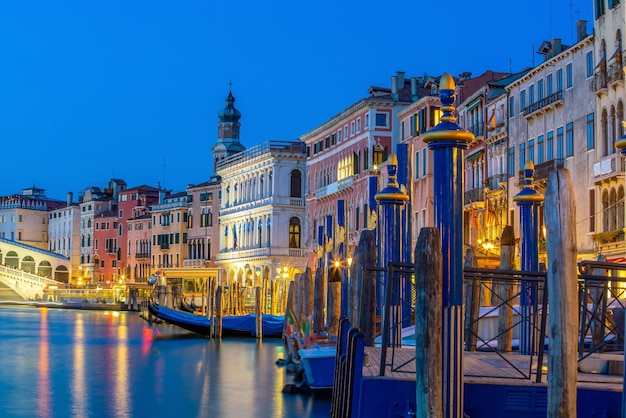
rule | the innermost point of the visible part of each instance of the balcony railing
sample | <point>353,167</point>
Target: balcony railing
<point>164,245</point>
<point>473,195</point>
<point>599,81</point>
<point>615,73</point>
<point>334,187</point>
<point>550,100</point>
<point>260,252</point>
<point>608,167</point>
<point>493,182</point>
<point>196,263</point>
<point>142,255</point>
<point>111,249</point>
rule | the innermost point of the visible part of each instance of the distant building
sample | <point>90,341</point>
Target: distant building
<point>551,108</point>
<point>203,223</point>
<point>605,67</point>
<point>262,215</point>
<point>24,217</point>
<point>93,203</point>
<point>133,204</point>
<point>64,234</point>
<point>343,159</point>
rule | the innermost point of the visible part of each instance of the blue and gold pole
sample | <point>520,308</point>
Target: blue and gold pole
<point>405,231</point>
<point>392,200</point>
<point>340,240</point>
<point>528,200</point>
<point>447,141</point>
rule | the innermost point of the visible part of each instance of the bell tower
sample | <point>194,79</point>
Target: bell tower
<point>227,132</point>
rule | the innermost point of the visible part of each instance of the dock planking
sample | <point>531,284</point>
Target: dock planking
<point>483,367</point>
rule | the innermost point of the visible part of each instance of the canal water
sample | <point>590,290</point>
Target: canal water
<point>73,363</point>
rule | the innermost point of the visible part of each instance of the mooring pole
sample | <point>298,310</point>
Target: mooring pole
<point>447,141</point>
<point>391,200</point>
<point>405,232</point>
<point>528,200</point>
<point>340,239</point>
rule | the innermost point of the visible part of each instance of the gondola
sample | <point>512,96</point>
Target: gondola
<point>186,307</point>
<point>243,326</point>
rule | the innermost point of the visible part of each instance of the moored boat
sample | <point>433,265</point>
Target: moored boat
<point>231,325</point>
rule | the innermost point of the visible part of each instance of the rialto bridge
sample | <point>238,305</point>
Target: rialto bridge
<point>28,270</point>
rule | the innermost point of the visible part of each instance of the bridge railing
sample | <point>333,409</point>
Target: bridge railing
<point>25,284</point>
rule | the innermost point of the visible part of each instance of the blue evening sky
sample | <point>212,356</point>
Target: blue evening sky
<point>91,90</point>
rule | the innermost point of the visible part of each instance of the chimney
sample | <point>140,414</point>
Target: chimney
<point>400,80</point>
<point>70,197</point>
<point>581,30</point>
<point>413,89</point>
<point>394,87</point>
<point>556,47</point>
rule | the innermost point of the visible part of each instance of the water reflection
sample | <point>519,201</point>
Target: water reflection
<point>78,394</point>
<point>94,364</point>
<point>43,386</point>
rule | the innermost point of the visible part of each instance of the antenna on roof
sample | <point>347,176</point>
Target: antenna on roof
<point>164,171</point>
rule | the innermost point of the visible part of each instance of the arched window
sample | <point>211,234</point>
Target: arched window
<point>613,210</point>
<point>620,207</point>
<point>604,124</point>
<point>296,183</point>
<point>294,233</point>
<point>605,211</point>
<point>378,155</point>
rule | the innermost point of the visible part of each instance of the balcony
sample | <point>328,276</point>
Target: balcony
<point>494,182</point>
<point>615,74</point>
<point>144,256</point>
<point>598,84</point>
<point>473,196</point>
<point>550,101</point>
<point>164,246</point>
<point>608,168</point>
<point>111,249</point>
<point>225,255</point>
<point>228,209</point>
<point>335,187</point>
<point>196,263</point>
<point>542,170</point>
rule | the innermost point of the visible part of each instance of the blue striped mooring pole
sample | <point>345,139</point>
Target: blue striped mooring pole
<point>392,200</point>
<point>447,141</point>
<point>528,200</point>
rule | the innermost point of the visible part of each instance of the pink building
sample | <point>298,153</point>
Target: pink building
<point>135,231</point>
<point>343,159</point>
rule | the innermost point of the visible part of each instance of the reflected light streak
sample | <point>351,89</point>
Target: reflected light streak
<point>43,387</point>
<point>122,393</point>
<point>79,387</point>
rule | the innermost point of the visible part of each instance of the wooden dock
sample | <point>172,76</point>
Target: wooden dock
<point>480,367</point>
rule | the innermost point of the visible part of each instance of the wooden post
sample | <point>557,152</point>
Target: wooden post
<point>204,292</point>
<point>259,314</point>
<point>218,312</point>
<point>428,311</point>
<point>307,311</point>
<point>334,302</point>
<point>506,291</point>
<point>295,290</point>
<point>318,302</point>
<point>472,303</point>
<point>562,294</point>
<point>365,286</point>
<point>168,296</point>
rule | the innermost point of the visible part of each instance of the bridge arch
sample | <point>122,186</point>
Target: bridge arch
<point>28,264</point>
<point>12,259</point>
<point>61,274</point>
<point>45,269</point>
